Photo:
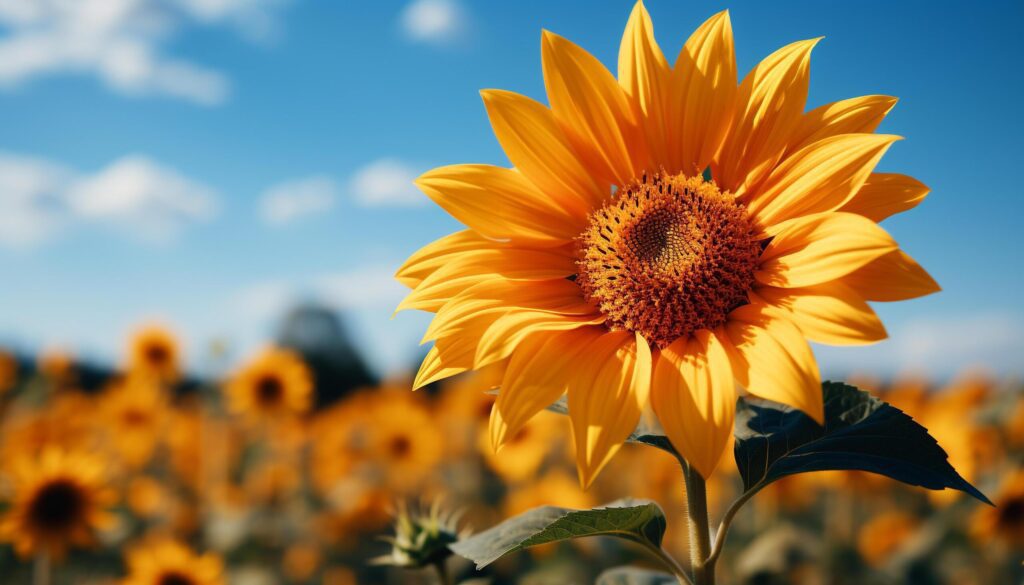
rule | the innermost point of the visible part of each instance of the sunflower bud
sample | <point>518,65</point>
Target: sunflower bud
<point>421,538</point>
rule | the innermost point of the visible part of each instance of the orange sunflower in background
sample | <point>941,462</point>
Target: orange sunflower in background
<point>60,500</point>
<point>662,238</point>
<point>168,562</point>
<point>276,384</point>
<point>153,351</point>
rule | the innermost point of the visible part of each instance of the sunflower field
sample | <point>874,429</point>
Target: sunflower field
<point>604,336</point>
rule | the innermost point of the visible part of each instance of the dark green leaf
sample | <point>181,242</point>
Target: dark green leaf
<point>637,520</point>
<point>634,576</point>
<point>860,433</point>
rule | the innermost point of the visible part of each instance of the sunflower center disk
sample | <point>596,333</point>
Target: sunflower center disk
<point>57,506</point>
<point>668,255</point>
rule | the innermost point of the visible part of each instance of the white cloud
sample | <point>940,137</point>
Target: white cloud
<point>942,345</point>
<point>433,21</point>
<point>121,42</point>
<point>292,200</point>
<point>40,198</point>
<point>386,182</point>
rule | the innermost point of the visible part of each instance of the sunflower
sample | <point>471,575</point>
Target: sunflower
<point>404,444</point>
<point>882,536</point>
<point>60,500</point>
<point>8,371</point>
<point>134,411</point>
<point>1005,520</point>
<point>276,384</point>
<point>662,238</point>
<point>168,562</point>
<point>153,351</point>
<point>523,455</point>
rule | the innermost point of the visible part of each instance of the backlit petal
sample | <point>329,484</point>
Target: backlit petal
<point>472,267</point>
<point>536,146</point>
<point>646,78</point>
<point>772,360</point>
<point>608,387</point>
<point>769,105</point>
<point>535,378</point>
<point>819,248</point>
<point>821,177</point>
<point>892,277</point>
<point>693,394</point>
<point>830,313</point>
<point>705,88</point>
<point>429,258</point>
<point>885,195</point>
<point>500,204</point>
<point>506,333</point>
<point>860,115</point>
<point>592,111</point>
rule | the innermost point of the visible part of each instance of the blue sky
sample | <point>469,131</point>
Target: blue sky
<point>204,162</point>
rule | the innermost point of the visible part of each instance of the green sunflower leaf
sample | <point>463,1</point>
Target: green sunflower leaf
<point>860,433</point>
<point>640,521</point>
<point>634,576</point>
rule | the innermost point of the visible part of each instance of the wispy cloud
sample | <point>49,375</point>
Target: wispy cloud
<point>122,42</point>
<point>386,182</point>
<point>134,194</point>
<point>941,345</point>
<point>292,200</point>
<point>433,21</point>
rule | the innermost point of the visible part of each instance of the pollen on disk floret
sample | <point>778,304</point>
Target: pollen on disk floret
<point>668,255</point>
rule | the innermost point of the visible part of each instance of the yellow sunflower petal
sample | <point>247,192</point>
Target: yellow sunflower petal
<point>508,331</point>
<point>860,115</point>
<point>892,277</point>
<point>440,363</point>
<point>886,194</point>
<point>535,378</point>
<point>533,142</point>
<point>500,204</point>
<point>693,394</point>
<point>705,88</point>
<point>592,110</point>
<point>819,248</point>
<point>769,105</point>
<point>470,268</point>
<point>608,387</point>
<point>821,177</point>
<point>482,304</point>
<point>645,76</point>
<point>429,258</point>
<point>830,313</point>
<point>772,360</point>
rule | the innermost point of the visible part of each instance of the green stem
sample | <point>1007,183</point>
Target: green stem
<point>42,570</point>
<point>700,531</point>
<point>669,562</point>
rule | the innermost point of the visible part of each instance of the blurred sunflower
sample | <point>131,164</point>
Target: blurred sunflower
<point>1005,520</point>
<point>60,500</point>
<point>133,410</point>
<point>276,384</point>
<point>168,562</point>
<point>57,365</point>
<point>661,238</point>
<point>521,456</point>
<point>8,371</point>
<point>153,351</point>
<point>884,534</point>
<point>404,443</point>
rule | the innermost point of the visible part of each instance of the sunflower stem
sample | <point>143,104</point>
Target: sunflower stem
<point>42,570</point>
<point>442,572</point>
<point>700,532</point>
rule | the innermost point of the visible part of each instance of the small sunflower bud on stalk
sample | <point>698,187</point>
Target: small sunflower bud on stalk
<point>421,538</point>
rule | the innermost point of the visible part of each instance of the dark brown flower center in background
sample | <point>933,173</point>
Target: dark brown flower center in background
<point>269,390</point>
<point>668,255</point>
<point>400,446</point>
<point>57,507</point>
<point>175,578</point>
<point>157,354</point>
